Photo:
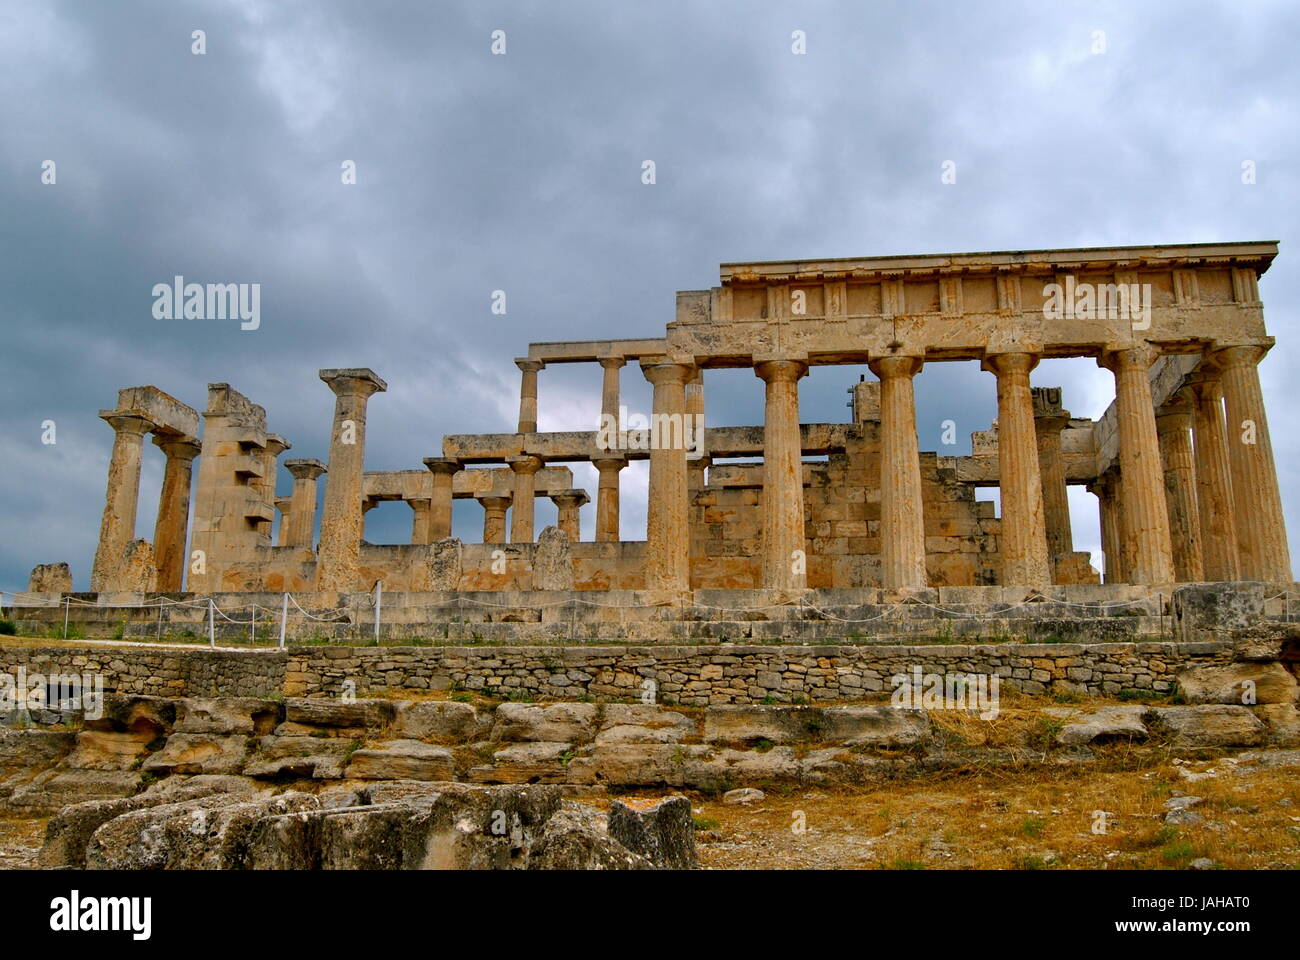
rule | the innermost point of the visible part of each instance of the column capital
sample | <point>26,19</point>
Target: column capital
<point>529,365</point>
<point>305,469</point>
<point>1226,356</point>
<point>443,466</point>
<point>1053,423</point>
<point>612,363</point>
<point>660,370</point>
<point>495,500</point>
<point>570,498</point>
<point>283,504</point>
<point>1113,356</point>
<point>1003,363</point>
<point>276,444</point>
<point>609,462</point>
<point>525,464</point>
<point>1177,408</point>
<point>353,381</point>
<point>127,423</point>
<point>178,448</point>
<point>780,371</point>
<point>895,366</point>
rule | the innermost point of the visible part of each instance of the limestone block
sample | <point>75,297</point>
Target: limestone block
<point>1104,724</point>
<point>661,830</point>
<point>553,561</point>
<point>1210,726</point>
<point>443,721</point>
<point>577,838</point>
<point>402,760</point>
<point>1207,611</point>
<point>98,750</point>
<point>55,789</point>
<point>445,564</point>
<point>242,715</point>
<point>321,758</point>
<point>199,753</point>
<point>566,722</point>
<point>880,726</point>
<point>139,575</point>
<point>1240,683</point>
<point>644,723</point>
<point>50,578</point>
<point>348,714</point>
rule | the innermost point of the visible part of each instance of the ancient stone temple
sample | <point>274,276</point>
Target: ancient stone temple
<point>1181,462</point>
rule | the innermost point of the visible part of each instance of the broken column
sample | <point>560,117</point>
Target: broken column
<point>117,525</point>
<point>528,394</point>
<point>342,524</point>
<point>494,516</point>
<point>568,503</point>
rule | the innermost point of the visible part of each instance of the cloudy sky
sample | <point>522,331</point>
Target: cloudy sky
<point>522,172</point>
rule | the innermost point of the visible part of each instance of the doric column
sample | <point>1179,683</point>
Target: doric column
<point>695,412</point>
<point>1049,421</point>
<point>521,518</point>
<point>1142,487</point>
<point>421,514</point>
<point>117,526</point>
<point>173,511</point>
<point>1023,530</point>
<point>285,507</point>
<point>302,502</point>
<point>902,520</point>
<point>1213,481</point>
<point>1105,488</point>
<point>607,523</point>
<point>444,470</point>
<point>568,503</point>
<point>269,458</point>
<point>782,514</point>
<point>1174,428</point>
<point>609,394</point>
<point>667,555</point>
<point>494,517</point>
<point>695,473</point>
<point>1262,550</point>
<point>528,394</point>
<point>342,524</point>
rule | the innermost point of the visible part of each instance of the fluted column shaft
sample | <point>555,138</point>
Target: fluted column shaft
<point>667,542</point>
<point>1214,502</point>
<point>121,500</point>
<point>1106,490</point>
<point>173,512</point>
<point>609,394</point>
<point>528,395</point>
<point>1142,487</point>
<point>902,517</point>
<point>301,521</point>
<point>1174,428</point>
<point>569,519</point>
<point>1056,498</point>
<point>494,518</point>
<point>1262,550</point>
<point>783,511</point>
<point>444,471</point>
<point>1024,532</point>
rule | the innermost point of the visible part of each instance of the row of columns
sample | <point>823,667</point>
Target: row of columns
<point>121,502</point>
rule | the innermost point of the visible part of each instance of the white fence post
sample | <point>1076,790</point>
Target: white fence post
<point>284,617</point>
<point>67,603</point>
<point>212,623</point>
<point>379,600</point>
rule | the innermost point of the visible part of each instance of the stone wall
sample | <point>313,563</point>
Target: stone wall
<point>689,675</point>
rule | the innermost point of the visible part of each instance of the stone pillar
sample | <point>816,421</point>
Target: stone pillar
<point>494,517</point>
<point>173,511</point>
<point>421,515</point>
<point>1213,480</point>
<point>521,517</point>
<point>609,395</point>
<point>285,507</point>
<point>607,523</point>
<point>902,519</point>
<point>1023,544</point>
<point>1105,488</point>
<point>695,473</point>
<point>1262,550</point>
<point>667,541</point>
<point>1049,421</point>
<point>782,514</point>
<point>1174,428</point>
<point>269,458</point>
<point>528,395</point>
<point>342,525</point>
<point>302,503</point>
<point>1142,487</point>
<point>117,525</point>
<point>444,470</point>
<point>695,413</point>
<point>568,503</point>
